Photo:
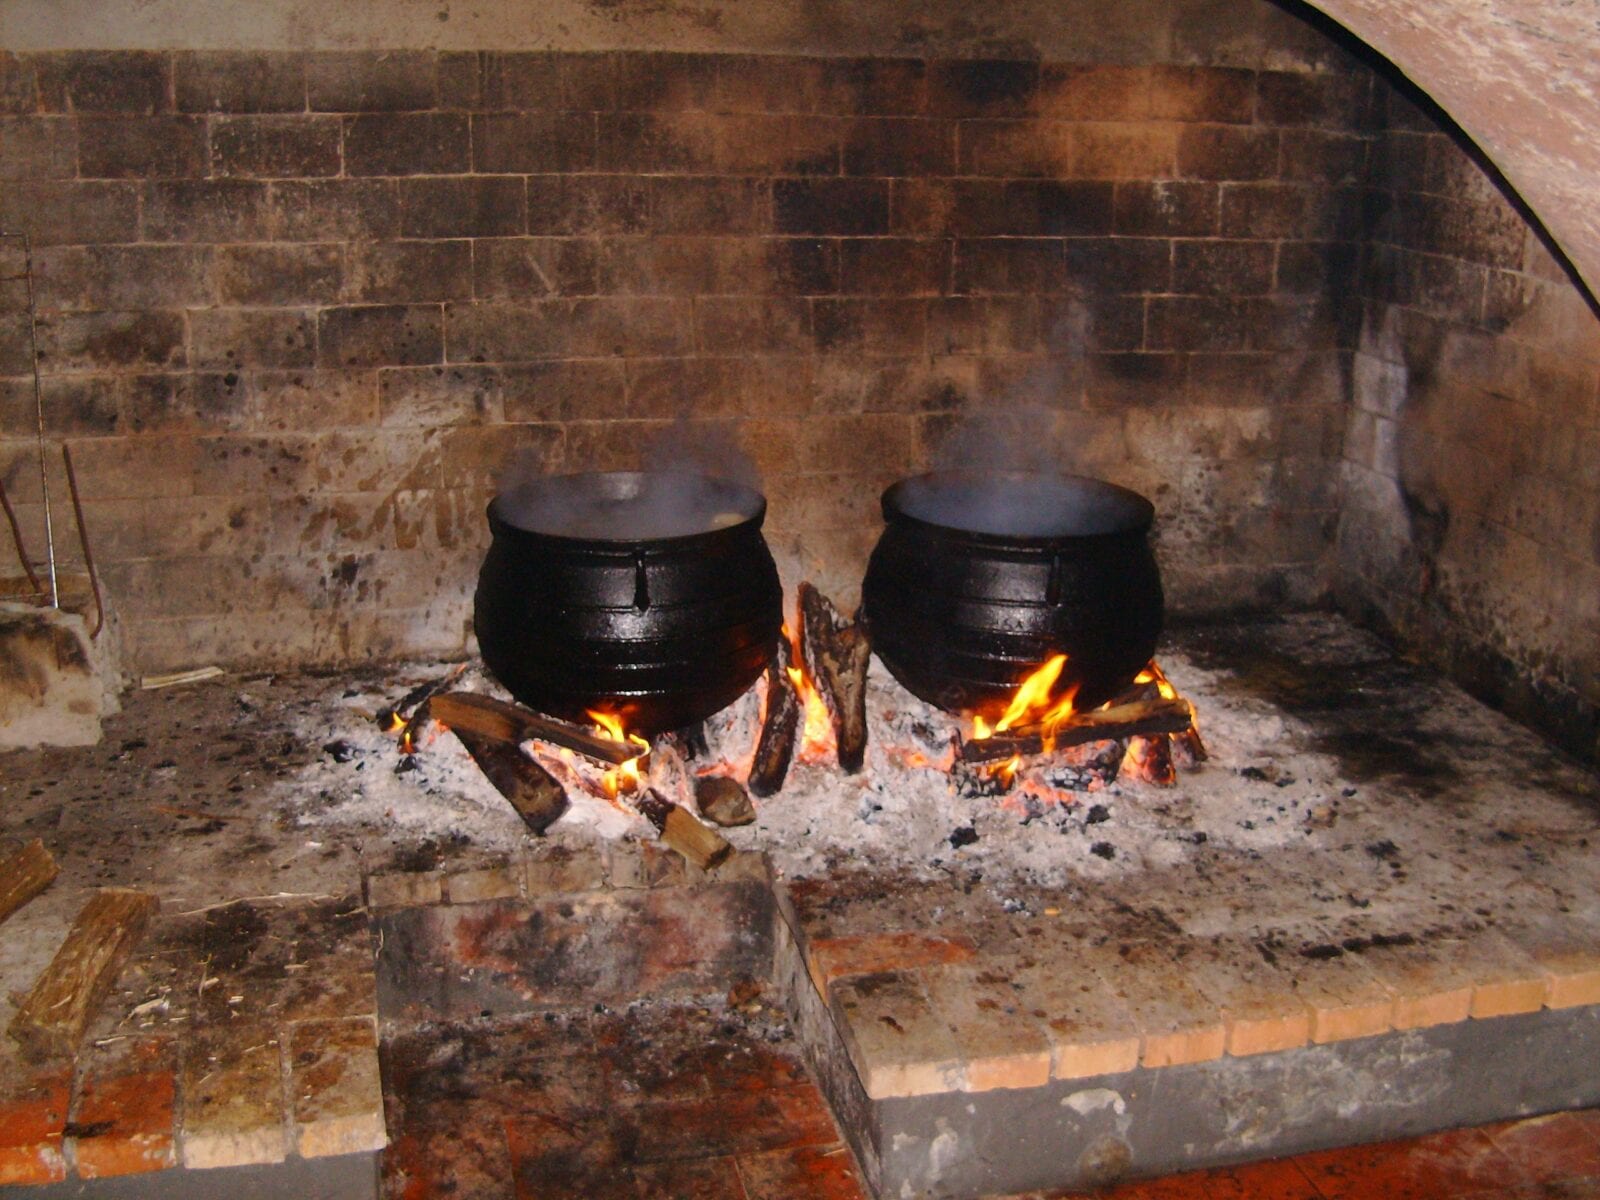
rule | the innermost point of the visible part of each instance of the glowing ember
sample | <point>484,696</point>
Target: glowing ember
<point>624,779</point>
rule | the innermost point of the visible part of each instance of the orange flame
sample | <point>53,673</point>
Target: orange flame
<point>396,722</point>
<point>816,738</point>
<point>1154,674</point>
<point>1032,703</point>
<point>625,778</point>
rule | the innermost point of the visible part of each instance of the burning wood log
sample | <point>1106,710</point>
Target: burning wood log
<point>536,794</point>
<point>775,747</point>
<point>24,875</point>
<point>1120,721</point>
<point>491,718</point>
<point>51,1019</point>
<point>836,654</point>
<point>1152,759</point>
<point>703,846</point>
<point>405,710</point>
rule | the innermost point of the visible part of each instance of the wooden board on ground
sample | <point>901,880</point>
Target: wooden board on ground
<point>52,1017</point>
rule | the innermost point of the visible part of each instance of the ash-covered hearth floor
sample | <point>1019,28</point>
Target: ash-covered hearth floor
<point>1374,885</point>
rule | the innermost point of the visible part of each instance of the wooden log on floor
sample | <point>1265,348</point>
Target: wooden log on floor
<point>51,1019</point>
<point>699,844</point>
<point>491,718</point>
<point>1121,721</point>
<point>775,747</point>
<point>24,875</point>
<point>836,654</point>
<point>536,794</point>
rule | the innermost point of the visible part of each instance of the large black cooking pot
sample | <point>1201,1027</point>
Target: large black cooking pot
<point>981,576</point>
<point>647,594</point>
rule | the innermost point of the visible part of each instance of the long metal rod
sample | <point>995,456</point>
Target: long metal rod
<point>16,537</point>
<point>38,406</point>
<point>83,540</point>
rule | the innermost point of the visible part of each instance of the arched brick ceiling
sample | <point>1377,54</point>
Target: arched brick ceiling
<point>1522,77</point>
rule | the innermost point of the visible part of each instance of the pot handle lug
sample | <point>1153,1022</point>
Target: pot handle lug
<point>1052,589</point>
<point>641,586</point>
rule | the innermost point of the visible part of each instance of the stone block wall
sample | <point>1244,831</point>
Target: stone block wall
<point>298,310</point>
<point>1471,519</point>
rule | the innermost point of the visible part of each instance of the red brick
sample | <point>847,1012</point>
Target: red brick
<point>32,1123</point>
<point>1278,1179</point>
<point>731,1123</point>
<point>814,1172</point>
<point>834,958</point>
<point>1446,1164</point>
<point>138,1109</point>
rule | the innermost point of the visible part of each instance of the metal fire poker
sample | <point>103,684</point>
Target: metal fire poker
<point>38,405</point>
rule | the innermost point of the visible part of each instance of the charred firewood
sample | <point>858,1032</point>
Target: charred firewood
<point>535,793</point>
<point>1188,749</point>
<point>775,747</point>
<point>836,654</point>
<point>700,845</point>
<point>491,718</point>
<point>405,710</point>
<point>1128,720</point>
<point>975,781</point>
<point>1152,759</point>
<point>1086,766</point>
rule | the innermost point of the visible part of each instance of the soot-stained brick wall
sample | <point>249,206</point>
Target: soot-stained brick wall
<point>298,310</point>
<point>1471,523</point>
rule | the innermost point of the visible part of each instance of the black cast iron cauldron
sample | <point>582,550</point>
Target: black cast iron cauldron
<point>981,576</point>
<point>651,595</point>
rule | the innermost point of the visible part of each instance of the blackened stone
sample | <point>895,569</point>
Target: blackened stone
<point>851,207</point>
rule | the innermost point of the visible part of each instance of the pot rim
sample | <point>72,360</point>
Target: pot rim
<point>750,501</point>
<point>1139,518</point>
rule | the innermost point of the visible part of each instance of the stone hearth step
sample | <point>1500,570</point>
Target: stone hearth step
<point>1001,1051</point>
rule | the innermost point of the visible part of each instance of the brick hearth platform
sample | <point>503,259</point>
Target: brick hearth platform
<point>1415,947</point>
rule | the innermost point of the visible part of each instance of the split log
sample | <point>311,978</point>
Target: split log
<point>491,718</point>
<point>51,1019</point>
<point>775,748</point>
<point>723,801</point>
<point>1120,721</point>
<point>700,845</point>
<point>24,875</point>
<point>536,794</point>
<point>836,654</point>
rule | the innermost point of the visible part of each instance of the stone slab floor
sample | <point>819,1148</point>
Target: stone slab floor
<point>658,1100</point>
<point>1554,1157</point>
